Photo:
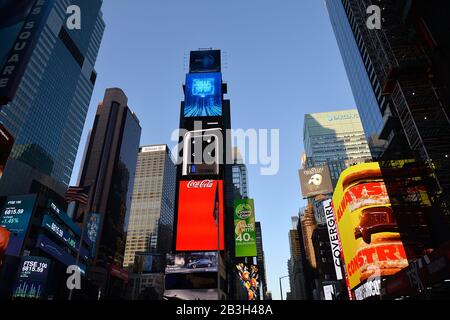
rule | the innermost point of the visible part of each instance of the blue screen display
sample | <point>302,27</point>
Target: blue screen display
<point>15,217</point>
<point>203,95</point>
<point>31,280</point>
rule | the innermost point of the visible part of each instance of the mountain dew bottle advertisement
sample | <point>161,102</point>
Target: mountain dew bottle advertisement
<point>244,228</point>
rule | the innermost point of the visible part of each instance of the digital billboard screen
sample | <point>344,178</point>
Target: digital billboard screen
<point>244,228</point>
<point>92,230</point>
<point>203,96</point>
<point>205,61</point>
<point>249,276</point>
<point>15,217</point>
<point>192,262</point>
<point>200,215</point>
<point>6,144</point>
<point>4,239</point>
<point>368,230</point>
<point>31,279</point>
<point>315,181</point>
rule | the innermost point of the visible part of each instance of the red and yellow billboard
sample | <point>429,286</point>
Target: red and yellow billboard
<point>367,225</point>
<point>200,215</point>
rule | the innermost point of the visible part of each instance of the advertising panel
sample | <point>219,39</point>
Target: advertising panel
<point>205,61</point>
<point>200,203</point>
<point>315,181</point>
<point>334,237</point>
<point>368,230</point>
<point>6,144</point>
<point>4,239</point>
<point>31,279</point>
<point>92,230</point>
<point>192,262</point>
<point>203,95</point>
<point>20,43</point>
<point>57,252</point>
<point>58,231</point>
<point>15,217</point>
<point>193,294</point>
<point>244,228</point>
<point>249,276</point>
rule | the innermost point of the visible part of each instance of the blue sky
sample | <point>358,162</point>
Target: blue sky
<point>281,61</point>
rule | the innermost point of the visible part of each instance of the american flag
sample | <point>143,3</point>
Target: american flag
<point>78,194</point>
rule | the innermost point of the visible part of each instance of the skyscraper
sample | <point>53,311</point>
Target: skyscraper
<point>240,176</point>
<point>152,207</point>
<point>109,169</point>
<point>406,61</point>
<point>47,78</point>
<point>335,139</point>
<point>260,259</point>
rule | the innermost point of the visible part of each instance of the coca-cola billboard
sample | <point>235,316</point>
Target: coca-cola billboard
<point>200,184</point>
<point>200,215</point>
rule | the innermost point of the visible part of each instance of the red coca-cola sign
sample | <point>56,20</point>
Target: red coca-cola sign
<point>195,184</point>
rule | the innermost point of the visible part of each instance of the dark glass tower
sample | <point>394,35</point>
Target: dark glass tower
<point>46,80</point>
<point>109,168</point>
<point>260,259</point>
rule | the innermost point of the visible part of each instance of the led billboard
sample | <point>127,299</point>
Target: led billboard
<point>205,61</point>
<point>315,181</point>
<point>4,239</point>
<point>31,279</point>
<point>244,228</point>
<point>92,230</point>
<point>368,230</point>
<point>203,96</point>
<point>192,262</point>
<point>15,217</point>
<point>6,144</point>
<point>249,276</point>
<point>200,215</point>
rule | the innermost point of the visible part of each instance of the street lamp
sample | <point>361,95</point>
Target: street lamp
<point>281,288</point>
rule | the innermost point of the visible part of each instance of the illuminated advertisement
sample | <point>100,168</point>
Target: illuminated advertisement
<point>203,95</point>
<point>205,61</point>
<point>333,234</point>
<point>92,230</point>
<point>15,217</point>
<point>55,228</point>
<point>193,294</point>
<point>244,228</point>
<point>368,230</point>
<point>6,144</point>
<point>200,215</point>
<point>32,278</point>
<point>21,23</point>
<point>315,181</point>
<point>4,239</point>
<point>57,252</point>
<point>249,276</point>
<point>192,262</point>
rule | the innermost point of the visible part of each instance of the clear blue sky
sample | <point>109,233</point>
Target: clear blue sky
<point>282,62</point>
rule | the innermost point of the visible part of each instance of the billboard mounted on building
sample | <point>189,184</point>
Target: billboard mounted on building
<point>205,61</point>
<point>368,230</point>
<point>315,181</point>
<point>244,228</point>
<point>203,96</point>
<point>200,215</point>
<point>32,278</point>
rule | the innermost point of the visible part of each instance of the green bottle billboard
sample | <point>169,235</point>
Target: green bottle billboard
<point>244,228</point>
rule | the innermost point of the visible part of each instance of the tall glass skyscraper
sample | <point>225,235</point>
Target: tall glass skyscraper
<point>335,139</point>
<point>367,103</point>
<point>45,88</point>
<point>150,226</point>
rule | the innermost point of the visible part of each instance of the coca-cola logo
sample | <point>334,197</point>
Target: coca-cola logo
<point>194,184</point>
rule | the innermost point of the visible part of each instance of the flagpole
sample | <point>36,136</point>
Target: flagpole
<point>77,261</point>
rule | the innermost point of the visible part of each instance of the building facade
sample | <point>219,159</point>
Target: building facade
<point>260,260</point>
<point>152,207</point>
<point>109,169</point>
<point>240,175</point>
<point>46,88</point>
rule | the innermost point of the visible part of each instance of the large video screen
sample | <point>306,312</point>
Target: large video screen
<point>244,228</point>
<point>191,262</point>
<point>31,280</point>
<point>15,217</point>
<point>203,95</point>
<point>200,215</point>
